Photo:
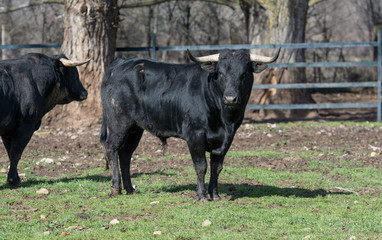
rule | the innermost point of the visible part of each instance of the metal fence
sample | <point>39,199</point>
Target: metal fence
<point>377,64</point>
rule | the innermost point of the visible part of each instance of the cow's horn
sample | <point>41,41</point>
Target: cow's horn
<point>209,58</point>
<point>264,59</point>
<point>72,63</point>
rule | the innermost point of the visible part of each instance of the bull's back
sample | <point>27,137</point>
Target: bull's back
<point>155,95</point>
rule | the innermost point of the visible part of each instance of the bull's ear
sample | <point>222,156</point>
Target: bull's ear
<point>58,66</point>
<point>209,66</point>
<point>259,67</point>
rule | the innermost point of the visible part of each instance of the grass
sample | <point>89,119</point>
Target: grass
<point>257,203</point>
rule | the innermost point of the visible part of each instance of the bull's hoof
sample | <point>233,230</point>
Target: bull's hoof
<point>130,191</point>
<point>14,183</point>
<point>203,198</point>
<point>215,198</point>
<point>114,192</point>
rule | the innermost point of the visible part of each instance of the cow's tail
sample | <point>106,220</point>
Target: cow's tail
<point>103,134</point>
<point>103,137</point>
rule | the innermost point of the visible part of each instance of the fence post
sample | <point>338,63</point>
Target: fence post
<point>379,74</point>
<point>154,46</point>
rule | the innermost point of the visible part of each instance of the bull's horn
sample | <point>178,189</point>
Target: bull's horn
<point>72,63</point>
<point>263,59</point>
<point>209,58</point>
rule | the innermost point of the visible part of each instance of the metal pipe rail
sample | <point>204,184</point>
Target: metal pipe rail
<point>377,64</point>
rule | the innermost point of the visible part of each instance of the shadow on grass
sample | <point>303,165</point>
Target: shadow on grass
<point>32,182</point>
<point>233,191</point>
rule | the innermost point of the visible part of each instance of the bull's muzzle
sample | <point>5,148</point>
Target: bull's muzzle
<point>83,96</point>
<point>230,100</point>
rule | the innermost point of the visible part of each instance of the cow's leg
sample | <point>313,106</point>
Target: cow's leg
<point>125,153</point>
<point>196,145</point>
<point>112,156</point>
<point>15,146</point>
<point>116,135</point>
<point>112,145</point>
<point>216,168</point>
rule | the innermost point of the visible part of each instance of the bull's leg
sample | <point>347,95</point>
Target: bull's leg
<point>125,153</point>
<point>112,156</point>
<point>197,149</point>
<point>113,144</point>
<point>15,146</point>
<point>216,168</point>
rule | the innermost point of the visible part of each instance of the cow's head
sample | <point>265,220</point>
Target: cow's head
<point>234,69</point>
<point>70,86</point>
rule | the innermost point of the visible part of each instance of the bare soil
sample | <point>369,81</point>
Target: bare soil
<point>76,149</point>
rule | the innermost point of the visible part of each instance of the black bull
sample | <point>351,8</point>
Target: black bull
<point>29,88</point>
<point>201,103</point>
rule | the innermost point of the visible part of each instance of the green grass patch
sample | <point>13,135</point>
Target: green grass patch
<point>257,204</point>
<point>333,198</point>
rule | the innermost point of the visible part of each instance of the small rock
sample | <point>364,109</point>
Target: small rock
<point>43,191</point>
<point>73,137</point>
<point>114,221</point>
<point>157,233</point>
<point>43,216</point>
<point>46,161</point>
<point>373,154</point>
<point>206,223</point>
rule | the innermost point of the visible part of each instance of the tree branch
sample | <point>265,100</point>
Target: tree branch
<point>229,3</point>
<point>28,5</point>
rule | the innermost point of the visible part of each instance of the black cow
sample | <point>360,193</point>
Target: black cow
<point>31,86</point>
<point>201,103</point>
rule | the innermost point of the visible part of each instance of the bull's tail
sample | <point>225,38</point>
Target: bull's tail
<point>103,136</point>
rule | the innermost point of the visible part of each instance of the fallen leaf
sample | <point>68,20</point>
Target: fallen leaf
<point>3,170</point>
<point>75,228</point>
<point>43,191</point>
<point>64,234</point>
<point>157,233</point>
<point>46,233</point>
<point>155,202</point>
<point>206,223</point>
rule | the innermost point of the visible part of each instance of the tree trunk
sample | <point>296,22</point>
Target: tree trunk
<point>90,28</point>
<point>285,23</point>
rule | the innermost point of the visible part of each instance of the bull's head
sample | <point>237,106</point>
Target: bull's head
<point>235,72</point>
<point>70,85</point>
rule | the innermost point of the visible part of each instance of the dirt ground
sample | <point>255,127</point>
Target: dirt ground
<point>76,149</point>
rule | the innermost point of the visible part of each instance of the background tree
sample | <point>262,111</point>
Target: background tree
<point>93,29</point>
<point>90,31</point>
<point>280,22</point>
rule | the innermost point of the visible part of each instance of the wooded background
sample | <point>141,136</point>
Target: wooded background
<point>94,28</point>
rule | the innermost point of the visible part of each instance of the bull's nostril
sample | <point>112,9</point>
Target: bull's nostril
<point>230,99</point>
<point>83,96</point>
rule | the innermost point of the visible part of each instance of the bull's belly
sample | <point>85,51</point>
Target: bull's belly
<point>6,122</point>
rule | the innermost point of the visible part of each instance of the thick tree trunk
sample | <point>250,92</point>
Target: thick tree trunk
<point>285,23</point>
<point>90,28</point>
